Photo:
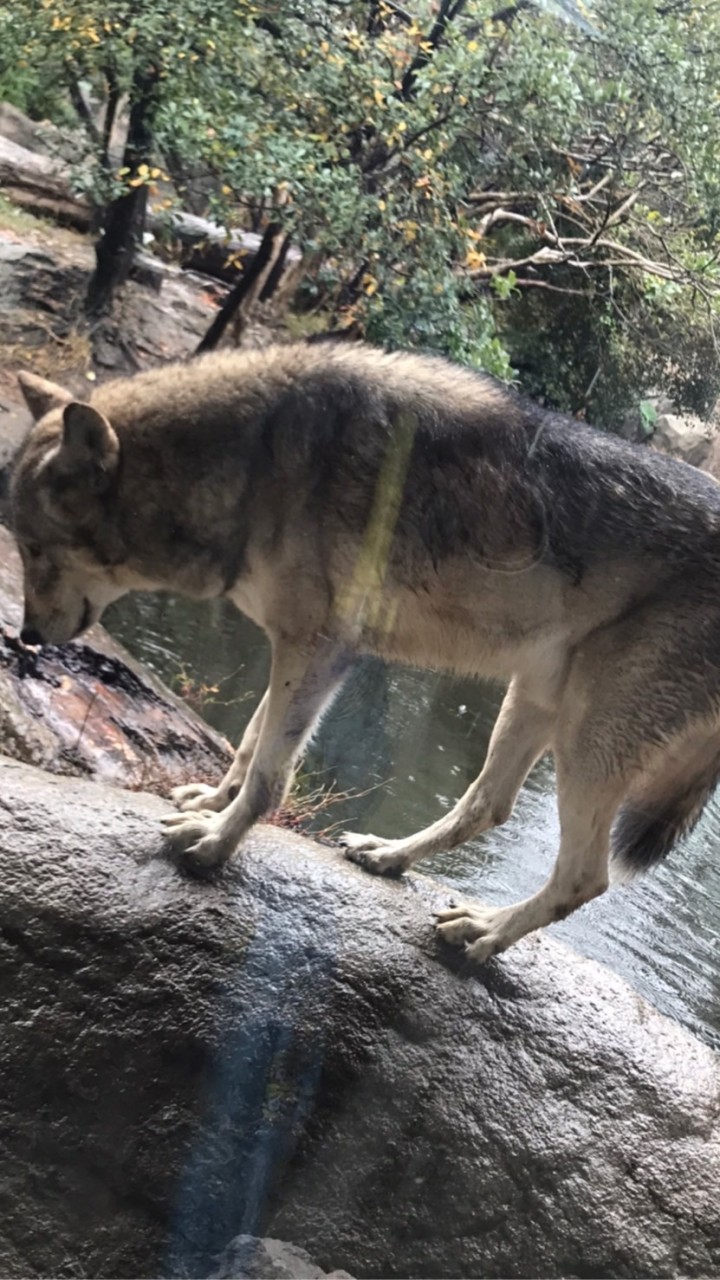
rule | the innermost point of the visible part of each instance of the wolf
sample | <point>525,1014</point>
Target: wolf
<point>353,501</point>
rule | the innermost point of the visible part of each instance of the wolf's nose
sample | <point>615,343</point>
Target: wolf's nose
<point>29,635</point>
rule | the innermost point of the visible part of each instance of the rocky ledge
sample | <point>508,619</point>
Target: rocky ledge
<point>286,1052</point>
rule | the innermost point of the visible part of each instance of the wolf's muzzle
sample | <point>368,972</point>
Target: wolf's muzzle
<point>29,635</point>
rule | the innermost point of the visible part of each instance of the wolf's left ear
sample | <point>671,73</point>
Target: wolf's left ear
<point>40,395</point>
<point>90,448</point>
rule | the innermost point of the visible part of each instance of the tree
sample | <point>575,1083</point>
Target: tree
<point>148,55</point>
<point>474,180</point>
<point>533,186</point>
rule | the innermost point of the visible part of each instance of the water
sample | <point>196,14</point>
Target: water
<point>405,744</point>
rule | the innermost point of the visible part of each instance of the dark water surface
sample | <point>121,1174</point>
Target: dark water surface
<point>412,741</point>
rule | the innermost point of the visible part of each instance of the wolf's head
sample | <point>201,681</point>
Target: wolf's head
<point>61,486</point>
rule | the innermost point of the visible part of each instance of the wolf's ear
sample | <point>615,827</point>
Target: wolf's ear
<point>41,396</point>
<point>90,448</point>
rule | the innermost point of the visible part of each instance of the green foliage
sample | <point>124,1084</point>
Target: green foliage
<point>648,416</point>
<point>535,188</point>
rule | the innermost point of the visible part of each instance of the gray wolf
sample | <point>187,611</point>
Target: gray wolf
<point>352,501</point>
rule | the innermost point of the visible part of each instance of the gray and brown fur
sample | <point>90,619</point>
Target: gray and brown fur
<point>351,501</point>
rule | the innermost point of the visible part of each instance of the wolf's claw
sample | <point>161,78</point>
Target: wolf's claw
<point>478,929</point>
<point>196,836</point>
<point>381,857</point>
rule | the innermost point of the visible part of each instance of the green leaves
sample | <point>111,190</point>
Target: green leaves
<point>538,189</point>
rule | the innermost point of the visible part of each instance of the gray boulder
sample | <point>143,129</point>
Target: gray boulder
<point>23,131</point>
<point>684,436</point>
<point>247,1258</point>
<point>285,1051</point>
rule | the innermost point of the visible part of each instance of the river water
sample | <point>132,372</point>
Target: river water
<point>404,745</point>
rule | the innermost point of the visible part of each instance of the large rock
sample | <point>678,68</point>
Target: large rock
<point>283,1051</point>
<point>684,436</point>
<point>40,135</point>
<point>42,184</point>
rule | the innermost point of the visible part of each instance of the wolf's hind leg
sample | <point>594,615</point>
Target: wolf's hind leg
<point>522,732</point>
<point>196,795</point>
<point>303,682</point>
<point>580,873</point>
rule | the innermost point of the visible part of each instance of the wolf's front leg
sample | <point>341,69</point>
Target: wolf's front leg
<point>196,795</point>
<point>303,681</point>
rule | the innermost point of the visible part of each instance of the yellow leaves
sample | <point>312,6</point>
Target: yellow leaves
<point>379,97</point>
<point>369,284</point>
<point>235,259</point>
<point>143,174</point>
<point>324,46</point>
<point>472,46</point>
<point>409,229</point>
<point>423,182</point>
<point>474,260</point>
<point>382,205</point>
<point>226,190</point>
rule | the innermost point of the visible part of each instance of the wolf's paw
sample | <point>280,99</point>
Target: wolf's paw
<point>381,857</point>
<point>197,796</point>
<point>196,835</point>
<point>478,929</point>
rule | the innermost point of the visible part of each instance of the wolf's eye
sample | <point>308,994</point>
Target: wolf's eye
<point>33,551</point>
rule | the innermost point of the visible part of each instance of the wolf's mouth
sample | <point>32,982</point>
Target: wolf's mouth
<point>86,618</point>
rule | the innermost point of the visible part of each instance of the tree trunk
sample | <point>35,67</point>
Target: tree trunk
<point>124,221</point>
<point>251,286</point>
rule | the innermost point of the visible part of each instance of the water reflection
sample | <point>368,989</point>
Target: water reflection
<point>423,736</point>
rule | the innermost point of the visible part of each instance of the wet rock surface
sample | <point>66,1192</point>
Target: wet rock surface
<point>286,1052</point>
<point>87,708</point>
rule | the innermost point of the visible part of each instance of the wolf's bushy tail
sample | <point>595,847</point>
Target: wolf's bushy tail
<point>650,824</point>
